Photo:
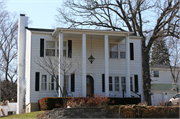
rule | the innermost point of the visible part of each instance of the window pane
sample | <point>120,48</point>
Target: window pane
<point>123,47</point>
<point>64,45</point>
<point>43,86</point>
<point>116,79</point>
<point>122,55</point>
<point>123,82</point>
<point>50,44</point>
<point>156,73</point>
<point>44,78</point>
<point>113,54</point>
<point>110,87</point>
<point>57,53</point>
<point>57,44</point>
<point>50,52</point>
<point>113,47</point>
<point>64,53</point>
<point>131,83</point>
<point>116,87</point>
<point>67,82</point>
<point>110,79</point>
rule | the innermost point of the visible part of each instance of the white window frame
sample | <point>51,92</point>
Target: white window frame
<point>122,84</point>
<point>111,84</point>
<point>122,51</point>
<point>117,50</point>
<point>46,82</point>
<point>116,83</point>
<point>51,83</point>
<point>63,48</point>
<point>68,90</point>
<point>50,48</point>
<point>133,85</point>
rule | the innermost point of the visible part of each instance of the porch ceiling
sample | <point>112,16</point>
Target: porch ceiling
<point>88,36</point>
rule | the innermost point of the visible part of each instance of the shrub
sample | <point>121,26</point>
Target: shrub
<point>124,101</point>
<point>137,111</point>
<point>48,103</point>
<point>96,101</point>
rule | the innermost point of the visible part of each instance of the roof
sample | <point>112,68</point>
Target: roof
<point>40,29</point>
<point>162,66</point>
<point>162,87</point>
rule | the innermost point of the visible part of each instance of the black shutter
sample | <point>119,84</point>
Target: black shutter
<point>103,83</point>
<point>131,51</point>
<point>37,81</point>
<point>136,82</point>
<point>41,47</point>
<point>72,83</point>
<point>70,48</point>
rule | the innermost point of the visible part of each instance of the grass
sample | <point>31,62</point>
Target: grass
<point>31,115</point>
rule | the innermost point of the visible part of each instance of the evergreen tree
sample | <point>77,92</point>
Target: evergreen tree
<point>160,53</point>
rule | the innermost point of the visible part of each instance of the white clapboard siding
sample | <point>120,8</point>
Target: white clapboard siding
<point>96,69</point>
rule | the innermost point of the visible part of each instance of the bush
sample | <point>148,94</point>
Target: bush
<point>124,101</point>
<point>48,103</point>
<point>96,101</point>
<point>136,111</point>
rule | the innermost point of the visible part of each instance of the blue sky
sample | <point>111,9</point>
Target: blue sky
<point>41,13</point>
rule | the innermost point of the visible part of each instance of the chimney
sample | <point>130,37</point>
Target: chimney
<point>22,23</point>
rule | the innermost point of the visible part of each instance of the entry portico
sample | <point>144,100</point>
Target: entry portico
<point>108,35</point>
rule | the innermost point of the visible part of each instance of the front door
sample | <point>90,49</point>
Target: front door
<point>90,85</point>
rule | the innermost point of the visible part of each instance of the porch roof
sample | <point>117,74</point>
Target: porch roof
<point>89,31</point>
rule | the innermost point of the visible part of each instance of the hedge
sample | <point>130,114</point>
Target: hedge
<point>49,103</point>
<point>125,101</point>
<point>136,111</point>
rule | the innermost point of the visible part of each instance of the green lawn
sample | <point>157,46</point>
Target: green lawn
<point>32,115</point>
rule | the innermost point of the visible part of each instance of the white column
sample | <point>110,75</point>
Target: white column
<point>21,86</point>
<point>84,65</point>
<point>61,81</point>
<point>127,67</point>
<point>106,64</point>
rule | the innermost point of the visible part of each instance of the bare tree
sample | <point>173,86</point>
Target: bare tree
<point>68,66</point>
<point>149,19</point>
<point>8,51</point>
<point>174,64</point>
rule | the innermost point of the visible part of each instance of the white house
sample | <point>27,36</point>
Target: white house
<point>117,64</point>
<point>162,84</point>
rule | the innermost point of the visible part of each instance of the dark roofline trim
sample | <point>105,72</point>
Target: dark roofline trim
<point>39,29</point>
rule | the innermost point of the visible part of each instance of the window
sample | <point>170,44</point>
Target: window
<point>116,83</point>
<point>156,73</point>
<point>110,83</point>
<point>44,82</point>
<point>64,48</point>
<point>66,83</point>
<point>123,82</point>
<point>51,83</point>
<point>50,48</point>
<point>113,51</point>
<point>131,83</point>
<point>122,51</point>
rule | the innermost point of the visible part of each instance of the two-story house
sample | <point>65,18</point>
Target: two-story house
<point>117,65</point>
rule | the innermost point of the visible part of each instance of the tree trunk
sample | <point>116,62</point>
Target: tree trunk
<point>146,77</point>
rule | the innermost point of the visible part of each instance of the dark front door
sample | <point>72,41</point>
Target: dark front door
<point>90,85</point>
